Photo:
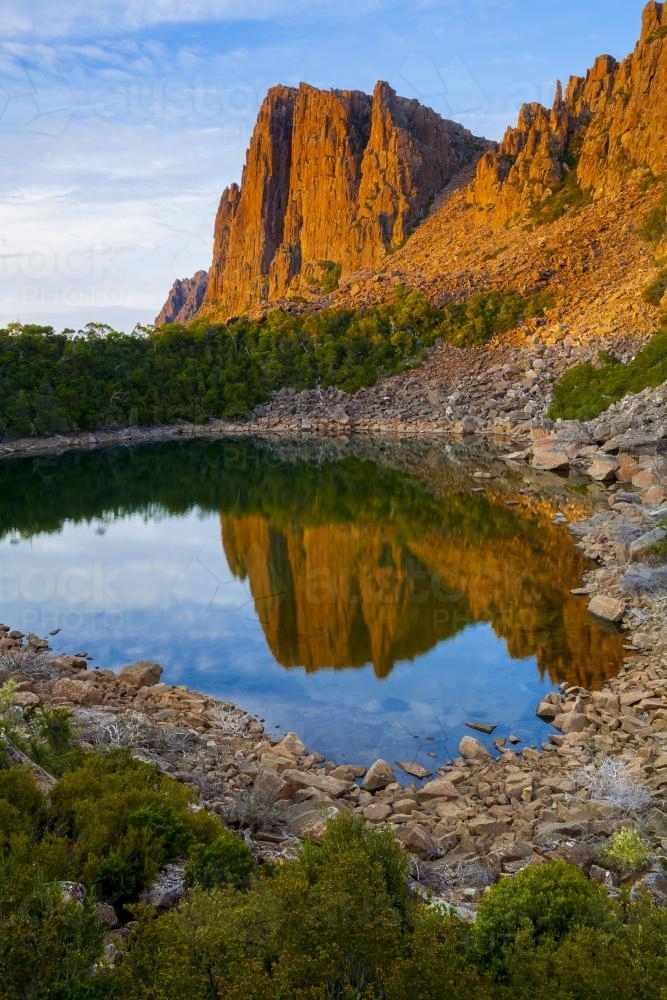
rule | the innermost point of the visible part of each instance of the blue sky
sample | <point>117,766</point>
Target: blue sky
<point>122,120</point>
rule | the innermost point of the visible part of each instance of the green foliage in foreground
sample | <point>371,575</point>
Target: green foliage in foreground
<point>45,735</point>
<point>336,923</point>
<point>111,822</point>
<point>53,383</point>
<point>546,902</point>
<point>586,390</point>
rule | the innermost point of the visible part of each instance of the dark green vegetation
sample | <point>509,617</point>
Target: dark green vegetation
<point>654,292</point>
<point>586,390</point>
<point>654,228</point>
<point>234,477</point>
<point>331,276</point>
<point>337,922</point>
<point>53,383</point>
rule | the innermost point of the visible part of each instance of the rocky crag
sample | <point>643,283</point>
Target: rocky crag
<point>184,299</point>
<point>608,129</point>
<point>558,205</point>
<point>333,180</point>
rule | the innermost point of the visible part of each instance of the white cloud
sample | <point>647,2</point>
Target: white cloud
<point>115,16</point>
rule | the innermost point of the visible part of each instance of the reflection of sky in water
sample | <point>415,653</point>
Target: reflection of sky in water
<point>159,588</point>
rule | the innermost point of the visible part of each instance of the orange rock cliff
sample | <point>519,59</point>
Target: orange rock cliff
<point>332,180</point>
<point>336,181</point>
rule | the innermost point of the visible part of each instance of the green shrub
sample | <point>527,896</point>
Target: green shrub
<point>567,199</point>
<point>48,947</point>
<point>226,861</point>
<point>22,807</point>
<point>53,742</point>
<point>331,276</point>
<point>349,835</point>
<point>486,315</point>
<point>546,901</point>
<point>655,225</point>
<point>626,852</point>
<point>326,925</point>
<point>654,292</point>
<point>628,962</point>
<point>584,391</point>
<point>123,821</point>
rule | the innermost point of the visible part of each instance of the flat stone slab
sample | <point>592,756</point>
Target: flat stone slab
<point>332,787</point>
<point>605,607</point>
<point>481,727</point>
<point>416,770</point>
<point>441,788</point>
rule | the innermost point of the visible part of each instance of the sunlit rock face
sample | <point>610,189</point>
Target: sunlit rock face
<point>333,178</point>
<point>606,126</point>
<point>347,594</point>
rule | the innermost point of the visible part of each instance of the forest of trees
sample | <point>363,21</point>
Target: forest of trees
<point>53,383</point>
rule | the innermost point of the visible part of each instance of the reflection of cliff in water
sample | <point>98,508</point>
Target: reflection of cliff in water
<point>340,595</point>
<point>344,594</point>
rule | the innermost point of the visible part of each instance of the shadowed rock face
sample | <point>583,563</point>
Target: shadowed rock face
<point>184,299</point>
<point>346,594</point>
<point>608,124</point>
<point>332,179</point>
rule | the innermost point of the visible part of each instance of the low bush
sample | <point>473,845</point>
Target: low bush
<point>584,391</point>
<point>626,852</point>
<point>654,293</point>
<point>124,821</point>
<point>48,946</point>
<point>226,861</point>
<point>547,901</point>
<point>654,228</point>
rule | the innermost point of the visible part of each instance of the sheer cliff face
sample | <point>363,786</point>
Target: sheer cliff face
<point>608,125</point>
<point>330,176</point>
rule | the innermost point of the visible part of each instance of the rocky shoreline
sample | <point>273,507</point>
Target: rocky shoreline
<point>603,766</point>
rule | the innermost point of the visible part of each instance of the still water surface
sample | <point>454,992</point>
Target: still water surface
<point>373,603</point>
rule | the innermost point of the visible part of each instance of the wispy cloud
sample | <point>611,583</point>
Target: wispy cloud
<point>75,17</point>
